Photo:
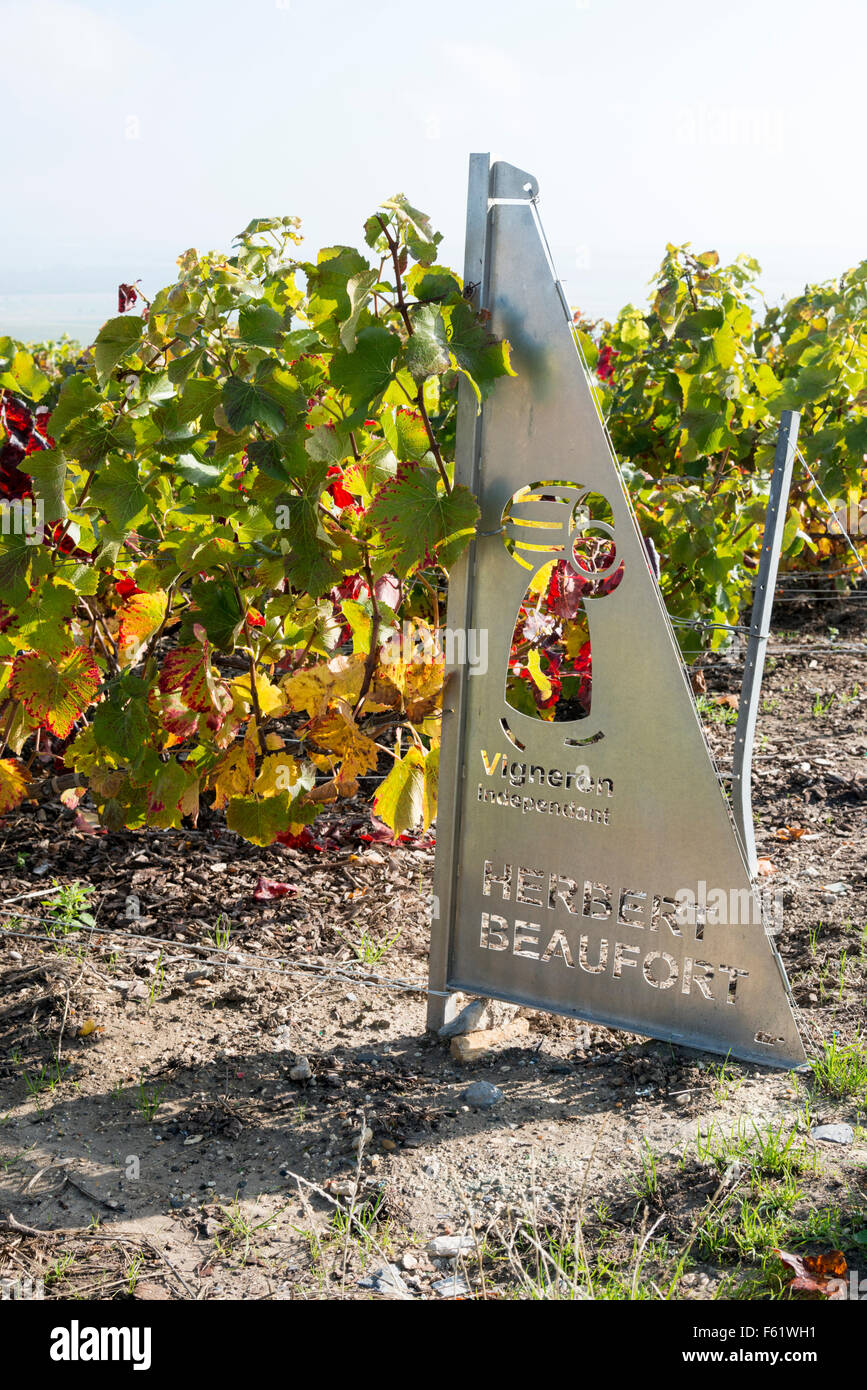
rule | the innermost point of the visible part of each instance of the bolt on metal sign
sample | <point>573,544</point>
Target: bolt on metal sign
<point>587,863</point>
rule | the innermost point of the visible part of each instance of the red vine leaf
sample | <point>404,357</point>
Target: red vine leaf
<point>55,693</point>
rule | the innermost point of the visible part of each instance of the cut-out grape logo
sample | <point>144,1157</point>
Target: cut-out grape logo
<point>563,533</point>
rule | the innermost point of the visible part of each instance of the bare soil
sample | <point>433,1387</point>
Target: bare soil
<point>152,1138</point>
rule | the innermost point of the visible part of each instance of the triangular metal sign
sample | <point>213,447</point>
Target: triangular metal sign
<point>586,865</point>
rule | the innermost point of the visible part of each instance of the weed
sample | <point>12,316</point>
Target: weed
<point>237,1230</point>
<point>716,714</point>
<point>724,1082</point>
<point>158,980</point>
<point>368,950</point>
<point>813,937</point>
<point>222,932</point>
<point>842,1069</point>
<point>131,1272</point>
<point>68,908</point>
<point>49,1076</point>
<point>149,1100</point>
<point>366,1224</point>
<point>822,707</point>
<point>59,1269</point>
<point>646,1185</point>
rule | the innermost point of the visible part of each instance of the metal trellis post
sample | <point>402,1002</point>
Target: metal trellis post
<point>760,625</point>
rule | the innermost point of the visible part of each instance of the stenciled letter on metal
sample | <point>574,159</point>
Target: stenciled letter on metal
<point>587,864</point>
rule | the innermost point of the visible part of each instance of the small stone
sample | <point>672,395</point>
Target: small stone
<point>193,1139</point>
<point>389,1145</point>
<point>471,1046</point>
<point>681,1098</point>
<point>385,1280</point>
<point>363,1138</point>
<point>467,1021</point>
<point>408,1260</point>
<point>482,1094</point>
<point>301,1071</point>
<point>449,1247</point>
<point>283,1039</point>
<point>341,1187</point>
<point>833,1134</point>
<point>432,1169</point>
<point>150,1292</point>
<point>453,1287</point>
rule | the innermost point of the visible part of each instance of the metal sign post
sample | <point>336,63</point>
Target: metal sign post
<point>586,865</point>
<point>760,627</point>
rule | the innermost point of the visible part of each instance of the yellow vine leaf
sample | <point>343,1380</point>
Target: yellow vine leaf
<point>313,689</point>
<point>338,735</point>
<point>540,680</point>
<point>399,800</point>
<point>281,773</point>
<point>272,700</point>
<point>13,784</point>
<point>233,775</point>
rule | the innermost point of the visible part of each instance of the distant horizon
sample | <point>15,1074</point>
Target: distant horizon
<point>38,311</point>
<point>144,130</point>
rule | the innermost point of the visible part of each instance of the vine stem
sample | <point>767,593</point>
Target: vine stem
<point>434,600</point>
<point>435,448</point>
<point>254,697</point>
<point>404,313</point>
<point>398,278</point>
<point>373,651</point>
<point>4,738</point>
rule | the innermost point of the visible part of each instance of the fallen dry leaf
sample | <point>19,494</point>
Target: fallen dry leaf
<point>699,684</point>
<point>820,1274</point>
<point>790,832</point>
<point>730,701</point>
<point>764,868</point>
<point>267,888</point>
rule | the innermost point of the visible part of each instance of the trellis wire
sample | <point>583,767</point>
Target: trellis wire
<point>266,964</point>
<point>831,513</point>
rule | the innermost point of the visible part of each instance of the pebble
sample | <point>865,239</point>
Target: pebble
<point>408,1261</point>
<point>385,1280</point>
<point>467,1021</point>
<point>363,1138</point>
<point>301,1071</point>
<point>833,1134</point>
<point>453,1287</point>
<point>449,1247</point>
<point>482,1094</point>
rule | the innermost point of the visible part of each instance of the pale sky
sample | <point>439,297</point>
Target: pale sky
<point>136,130</point>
